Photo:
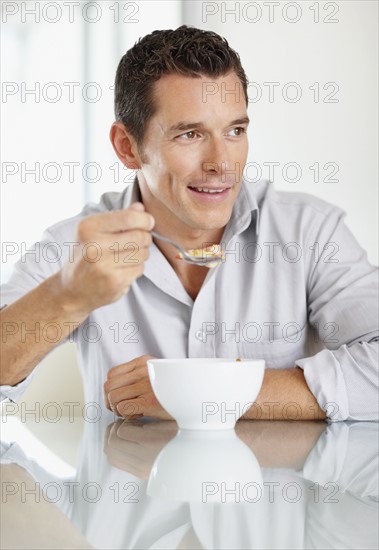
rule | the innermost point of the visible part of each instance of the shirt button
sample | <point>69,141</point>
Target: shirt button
<point>200,335</point>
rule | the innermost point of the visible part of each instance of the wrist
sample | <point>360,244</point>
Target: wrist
<point>69,303</point>
<point>285,395</point>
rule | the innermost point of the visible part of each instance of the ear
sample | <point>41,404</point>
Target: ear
<point>125,146</point>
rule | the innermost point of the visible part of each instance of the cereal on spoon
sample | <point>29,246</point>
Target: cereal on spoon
<point>213,250</point>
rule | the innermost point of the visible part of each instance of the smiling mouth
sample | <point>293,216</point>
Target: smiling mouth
<point>209,189</point>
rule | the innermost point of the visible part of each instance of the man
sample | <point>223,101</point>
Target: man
<point>295,289</point>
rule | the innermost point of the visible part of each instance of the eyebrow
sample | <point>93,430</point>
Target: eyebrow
<point>184,126</point>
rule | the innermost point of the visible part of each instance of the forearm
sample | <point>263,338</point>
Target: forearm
<point>281,444</point>
<point>285,395</point>
<point>32,326</point>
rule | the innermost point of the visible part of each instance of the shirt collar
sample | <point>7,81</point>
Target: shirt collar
<point>131,194</point>
<point>157,268</point>
<point>245,212</point>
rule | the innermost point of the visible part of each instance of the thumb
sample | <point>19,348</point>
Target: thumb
<point>137,206</point>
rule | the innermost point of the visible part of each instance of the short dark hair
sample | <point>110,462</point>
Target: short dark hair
<point>186,51</point>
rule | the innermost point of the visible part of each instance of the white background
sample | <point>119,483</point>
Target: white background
<point>328,46</point>
<point>335,122</point>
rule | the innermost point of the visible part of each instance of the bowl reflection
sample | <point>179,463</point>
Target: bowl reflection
<point>198,466</point>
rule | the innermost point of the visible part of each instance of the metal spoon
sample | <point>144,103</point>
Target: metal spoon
<point>205,260</point>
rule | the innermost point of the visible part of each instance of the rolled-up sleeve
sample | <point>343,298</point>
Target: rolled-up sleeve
<point>13,393</point>
<point>343,304</point>
<point>345,382</point>
<point>30,271</point>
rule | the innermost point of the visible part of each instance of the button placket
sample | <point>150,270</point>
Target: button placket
<point>201,343</point>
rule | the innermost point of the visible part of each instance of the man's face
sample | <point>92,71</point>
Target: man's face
<point>196,139</point>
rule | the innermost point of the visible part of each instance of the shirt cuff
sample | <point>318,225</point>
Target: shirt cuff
<point>13,393</point>
<point>11,453</point>
<point>324,377</point>
<point>323,465</point>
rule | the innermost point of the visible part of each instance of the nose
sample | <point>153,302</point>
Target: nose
<point>215,155</point>
<point>216,159</point>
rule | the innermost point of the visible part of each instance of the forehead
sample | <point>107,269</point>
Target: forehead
<point>185,97</point>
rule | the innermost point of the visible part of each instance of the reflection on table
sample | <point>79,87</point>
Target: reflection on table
<point>143,484</point>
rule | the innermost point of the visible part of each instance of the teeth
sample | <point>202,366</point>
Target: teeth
<point>205,190</point>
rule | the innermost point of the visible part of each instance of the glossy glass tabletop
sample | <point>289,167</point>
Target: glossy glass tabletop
<point>144,484</point>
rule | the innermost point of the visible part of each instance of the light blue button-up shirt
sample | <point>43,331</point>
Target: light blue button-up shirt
<point>295,289</point>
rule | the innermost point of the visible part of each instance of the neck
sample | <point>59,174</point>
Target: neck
<point>191,276</point>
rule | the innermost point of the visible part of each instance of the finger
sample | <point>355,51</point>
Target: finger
<point>115,222</point>
<point>138,206</point>
<point>140,236</point>
<point>113,253</point>
<point>130,407</point>
<point>117,451</point>
<point>125,219</point>
<point>106,401</point>
<point>107,436</point>
<point>122,460</point>
<point>131,257</point>
<point>144,404</point>
<point>132,431</point>
<point>125,240</point>
<point>134,258</point>
<point>152,434</point>
<point>129,392</point>
<point>112,430</point>
<point>117,381</point>
<point>125,368</point>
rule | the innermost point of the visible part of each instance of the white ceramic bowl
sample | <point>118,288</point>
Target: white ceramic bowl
<point>198,466</point>
<point>206,394</point>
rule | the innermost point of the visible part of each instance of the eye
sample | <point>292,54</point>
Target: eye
<point>238,131</point>
<point>188,135</point>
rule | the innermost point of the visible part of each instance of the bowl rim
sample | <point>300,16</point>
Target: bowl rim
<point>211,361</point>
